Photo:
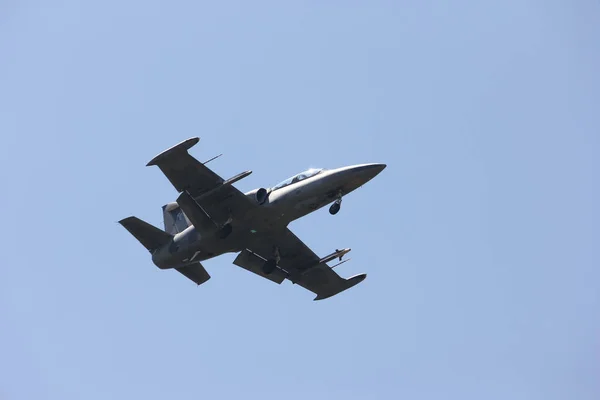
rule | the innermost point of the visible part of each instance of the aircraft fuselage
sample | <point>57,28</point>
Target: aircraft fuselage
<point>282,206</point>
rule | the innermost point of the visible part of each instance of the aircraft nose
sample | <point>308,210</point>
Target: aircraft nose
<point>370,170</point>
<point>354,176</point>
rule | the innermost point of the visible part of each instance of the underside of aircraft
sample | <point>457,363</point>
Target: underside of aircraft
<point>211,217</point>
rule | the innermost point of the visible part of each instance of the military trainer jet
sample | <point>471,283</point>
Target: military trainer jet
<point>211,217</point>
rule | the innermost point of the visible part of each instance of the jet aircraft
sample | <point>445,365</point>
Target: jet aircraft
<point>211,217</point>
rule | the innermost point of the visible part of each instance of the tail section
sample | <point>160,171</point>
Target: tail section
<point>149,236</point>
<point>174,218</point>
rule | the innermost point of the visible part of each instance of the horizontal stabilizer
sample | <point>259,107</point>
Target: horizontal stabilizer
<point>149,236</point>
<point>195,272</point>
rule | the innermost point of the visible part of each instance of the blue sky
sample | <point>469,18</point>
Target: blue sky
<point>480,239</point>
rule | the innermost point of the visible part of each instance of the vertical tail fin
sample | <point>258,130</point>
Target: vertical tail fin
<point>174,218</point>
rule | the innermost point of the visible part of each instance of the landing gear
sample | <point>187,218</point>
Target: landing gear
<point>335,207</point>
<point>269,266</point>
<point>225,231</point>
<point>226,228</point>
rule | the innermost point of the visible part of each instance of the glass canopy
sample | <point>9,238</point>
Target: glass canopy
<point>297,178</point>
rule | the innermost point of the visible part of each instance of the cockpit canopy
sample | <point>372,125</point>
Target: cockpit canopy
<point>297,178</point>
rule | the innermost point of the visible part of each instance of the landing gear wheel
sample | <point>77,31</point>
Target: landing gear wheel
<point>335,208</point>
<point>225,231</point>
<point>269,266</point>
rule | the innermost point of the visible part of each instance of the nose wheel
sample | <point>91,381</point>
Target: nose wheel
<point>335,207</point>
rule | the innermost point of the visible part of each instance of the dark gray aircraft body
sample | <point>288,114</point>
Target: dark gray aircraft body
<point>211,217</point>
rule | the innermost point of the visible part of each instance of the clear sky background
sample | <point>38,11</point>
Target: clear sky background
<point>480,239</point>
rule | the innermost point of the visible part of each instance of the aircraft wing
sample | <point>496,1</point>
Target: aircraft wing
<point>298,263</point>
<point>187,174</point>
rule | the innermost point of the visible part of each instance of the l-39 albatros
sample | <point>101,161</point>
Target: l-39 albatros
<point>211,217</point>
